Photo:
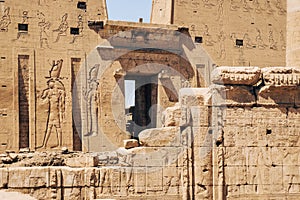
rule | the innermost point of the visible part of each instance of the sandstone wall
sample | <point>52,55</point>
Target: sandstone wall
<point>33,34</point>
<point>260,26</point>
<point>215,144</point>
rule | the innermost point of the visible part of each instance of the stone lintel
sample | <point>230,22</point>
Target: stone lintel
<point>236,75</point>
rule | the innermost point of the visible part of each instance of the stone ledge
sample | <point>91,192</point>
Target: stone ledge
<point>281,76</point>
<point>236,75</point>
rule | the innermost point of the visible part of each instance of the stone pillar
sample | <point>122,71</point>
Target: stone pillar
<point>293,33</point>
<point>197,173</point>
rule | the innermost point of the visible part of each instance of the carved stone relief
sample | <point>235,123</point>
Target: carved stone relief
<point>44,28</point>
<point>259,40</point>
<point>269,8</point>
<point>62,28</point>
<point>246,6</point>
<point>24,21</point>
<point>257,6</point>
<point>282,40</point>
<point>92,99</point>
<point>55,96</point>
<point>80,27</point>
<point>220,14</point>
<point>222,49</point>
<point>5,20</point>
<point>272,42</point>
<point>234,5</point>
<point>247,41</point>
<point>279,6</point>
<point>208,4</point>
<point>208,40</point>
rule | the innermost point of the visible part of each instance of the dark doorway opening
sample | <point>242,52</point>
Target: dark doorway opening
<point>143,113</point>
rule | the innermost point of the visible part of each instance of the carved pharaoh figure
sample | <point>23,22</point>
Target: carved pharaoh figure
<point>272,42</point>
<point>247,41</point>
<point>44,26</point>
<point>92,98</point>
<point>209,41</point>
<point>55,95</point>
<point>63,27</point>
<point>222,49</point>
<point>259,40</point>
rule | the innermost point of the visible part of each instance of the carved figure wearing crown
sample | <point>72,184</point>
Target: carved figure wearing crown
<point>55,96</point>
<point>63,27</point>
<point>92,98</point>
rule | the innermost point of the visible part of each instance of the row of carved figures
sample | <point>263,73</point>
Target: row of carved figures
<point>44,26</point>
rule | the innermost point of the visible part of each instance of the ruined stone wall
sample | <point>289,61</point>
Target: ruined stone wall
<point>255,133</point>
<point>234,33</point>
<point>241,134</point>
<point>215,144</point>
<point>33,34</point>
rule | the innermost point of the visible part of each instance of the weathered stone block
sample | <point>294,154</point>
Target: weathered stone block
<point>72,177</point>
<point>281,76</point>
<point>276,179</point>
<point>24,177</point>
<point>204,192</point>
<point>82,161</point>
<point>92,177</point>
<point>73,193</point>
<point>291,175</point>
<point>194,96</point>
<point>55,177</point>
<point>235,175</point>
<point>236,75</point>
<point>202,136</point>
<point>293,116</point>
<point>274,95</point>
<point>8,195</point>
<point>155,156</point>
<point>154,179</point>
<point>172,116</point>
<point>204,175</point>
<point>232,95</point>
<point>238,136</point>
<point>160,137</point>
<point>131,143</point>
<point>235,156</point>
<point>200,116</point>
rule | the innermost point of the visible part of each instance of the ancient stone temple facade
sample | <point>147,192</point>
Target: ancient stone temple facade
<point>237,139</point>
<point>43,52</point>
<point>43,44</point>
<point>214,117</point>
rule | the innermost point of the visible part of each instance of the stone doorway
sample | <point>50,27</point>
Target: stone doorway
<point>143,114</point>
